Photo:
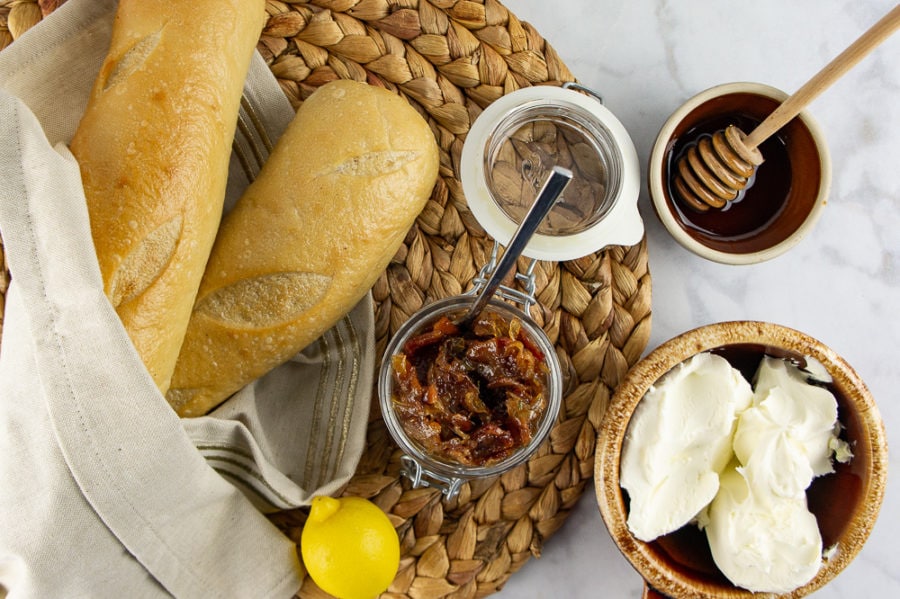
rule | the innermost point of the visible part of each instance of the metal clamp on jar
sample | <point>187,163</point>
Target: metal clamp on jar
<point>470,386</point>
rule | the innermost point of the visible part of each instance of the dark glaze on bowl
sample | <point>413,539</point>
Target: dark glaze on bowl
<point>844,502</point>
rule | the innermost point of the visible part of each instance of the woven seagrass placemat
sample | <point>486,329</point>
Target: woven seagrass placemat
<point>450,59</point>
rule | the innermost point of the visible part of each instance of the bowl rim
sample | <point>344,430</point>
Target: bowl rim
<point>657,160</point>
<point>674,351</point>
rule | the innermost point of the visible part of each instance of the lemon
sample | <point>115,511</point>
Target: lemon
<point>349,547</point>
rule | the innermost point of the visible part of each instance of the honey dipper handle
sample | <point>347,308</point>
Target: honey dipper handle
<point>833,71</point>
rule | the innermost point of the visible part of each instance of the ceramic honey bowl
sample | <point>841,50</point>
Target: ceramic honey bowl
<point>781,203</point>
<point>843,504</point>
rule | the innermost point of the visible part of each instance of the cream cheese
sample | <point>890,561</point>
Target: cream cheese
<point>678,440</point>
<point>704,447</point>
<point>760,541</point>
<point>789,434</point>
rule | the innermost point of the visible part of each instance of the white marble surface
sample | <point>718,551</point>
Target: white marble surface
<point>841,284</point>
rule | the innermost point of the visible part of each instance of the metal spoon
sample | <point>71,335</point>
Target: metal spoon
<point>554,185</point>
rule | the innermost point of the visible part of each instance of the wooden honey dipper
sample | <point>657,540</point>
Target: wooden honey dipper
<point>714,170</point>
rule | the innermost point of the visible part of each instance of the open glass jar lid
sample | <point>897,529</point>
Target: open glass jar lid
<point>515,142</point>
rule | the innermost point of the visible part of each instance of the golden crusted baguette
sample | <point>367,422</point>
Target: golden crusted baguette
<point>308,238</point>
<point>153,147</point>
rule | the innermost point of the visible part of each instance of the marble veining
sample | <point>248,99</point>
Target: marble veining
<point>841,284</point>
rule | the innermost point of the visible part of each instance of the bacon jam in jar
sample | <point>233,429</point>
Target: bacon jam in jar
<point>469,402</point>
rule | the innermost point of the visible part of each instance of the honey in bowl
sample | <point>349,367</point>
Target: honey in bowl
<point>778,199</point>
<point>757,205</point>
<point>781,204</point>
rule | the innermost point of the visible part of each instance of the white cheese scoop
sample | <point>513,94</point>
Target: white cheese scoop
<point>790,432</point>
<point>678,441</point>
<point>762,542</point>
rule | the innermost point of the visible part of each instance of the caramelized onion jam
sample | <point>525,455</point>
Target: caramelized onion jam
<point>472,396</point>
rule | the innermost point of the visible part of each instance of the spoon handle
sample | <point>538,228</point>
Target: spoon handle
<point>822,80</point>
<point>557,180</point>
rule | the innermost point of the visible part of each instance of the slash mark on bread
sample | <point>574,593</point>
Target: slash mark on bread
<point>132,59</point>
<point>374,164</point>
<point>265,301</point>
<point>145,263</point>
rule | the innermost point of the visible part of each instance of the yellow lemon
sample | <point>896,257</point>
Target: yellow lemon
<point>349,547</point>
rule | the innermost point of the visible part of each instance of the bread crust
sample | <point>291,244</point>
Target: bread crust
<point>307,240</point>
<point>153,146</point>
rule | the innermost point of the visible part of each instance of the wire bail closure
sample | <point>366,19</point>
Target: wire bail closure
<point>524,297</point>
<point>420,477</point>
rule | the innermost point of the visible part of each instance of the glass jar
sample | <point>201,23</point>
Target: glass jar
<point>425,468</point>
<point>515,142</point>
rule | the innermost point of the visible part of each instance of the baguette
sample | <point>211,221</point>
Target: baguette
<point>308,238</point>
<point>153,147</point>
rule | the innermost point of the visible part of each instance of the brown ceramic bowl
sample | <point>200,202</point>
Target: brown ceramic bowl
<point>845,502</point>
<point>781,205</point>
